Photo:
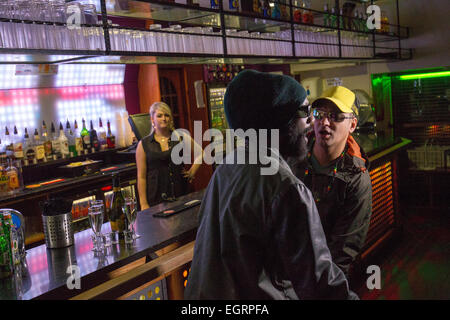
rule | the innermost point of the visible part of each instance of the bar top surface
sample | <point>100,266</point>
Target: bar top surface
<point>46,276</point>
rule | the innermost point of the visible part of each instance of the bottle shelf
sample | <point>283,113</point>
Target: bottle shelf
<point>183,33</point>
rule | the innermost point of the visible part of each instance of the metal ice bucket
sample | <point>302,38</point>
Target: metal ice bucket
<point>58,230</point>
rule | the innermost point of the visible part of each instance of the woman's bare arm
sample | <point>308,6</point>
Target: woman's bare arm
<point>141,163</point>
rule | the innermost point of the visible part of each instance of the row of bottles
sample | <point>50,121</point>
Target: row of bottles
<point>38,147</point>
<point>349,18</point>
<point>302,13</point>
<point>275,9</point>
<point>222,72</point>
<point>11,179</point>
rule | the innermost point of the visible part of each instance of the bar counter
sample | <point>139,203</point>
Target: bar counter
<point>68,183</point>
<point>46,276</point>
<point>377,145</point>
<point>44,181</point>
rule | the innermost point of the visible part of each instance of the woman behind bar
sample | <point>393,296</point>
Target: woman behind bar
<point>159,178</point>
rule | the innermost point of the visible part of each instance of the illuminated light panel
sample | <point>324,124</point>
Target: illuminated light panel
<point>96,102</point>
<point>68,75</point>
<point>21,107</point>
<point>382,217</point>
<point>76,75</point>
<point>425,75</point>
<point>22,116</point>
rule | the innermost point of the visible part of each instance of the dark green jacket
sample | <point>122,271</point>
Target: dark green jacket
<point>346,208</point>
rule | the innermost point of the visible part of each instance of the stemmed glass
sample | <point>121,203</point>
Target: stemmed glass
<point>96,214</point>
<point>130,210</point>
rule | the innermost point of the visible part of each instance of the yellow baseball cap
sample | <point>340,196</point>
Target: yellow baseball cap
<point>342,97</point>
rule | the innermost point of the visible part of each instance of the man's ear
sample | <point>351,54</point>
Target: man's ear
<point>353,124</point>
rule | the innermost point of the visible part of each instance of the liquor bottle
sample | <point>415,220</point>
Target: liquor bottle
<point>333,18</point>
<point>78,139</point>
<point>256,6</point>
<point>364,18</point>
<point>326,16</point>
<point>360,22</point>
<point>214,4</point>
<point>102,135</point>
<point>9,230</point>
<point>5,261</point>
<point>29,151</point>
<point>233,5</point>
<point>95,144</point>
<point>17,145</point>
<point>110,138</point>
<point>6,227</point>
<point>265,9</point>
<point>341,18</point>
<point>85,136</point>
<point>355,22</point>
<point>13,240</point>
<point>71,138</point>
<point>9,148</point>
<point>116,215</point>
<point>220,73</point>
<point>306,16</point>
<point>2,147</point>
<point>276,11</point>
<point>4,179</point>
<point>284,9</point>
<point>63,141</point>
<point>46,141</point>
<point>56,147</point>
<point>38,146</point>
<point>384,22</point>
<point>13,176</point>
<point>297,11</point>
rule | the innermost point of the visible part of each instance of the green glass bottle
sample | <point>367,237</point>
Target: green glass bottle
<point>85,137</point>
<point>5,251</point>
<point>117,217</point>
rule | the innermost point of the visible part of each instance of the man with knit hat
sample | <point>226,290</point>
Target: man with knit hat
<point>260,236</point>
<point>336,172</point>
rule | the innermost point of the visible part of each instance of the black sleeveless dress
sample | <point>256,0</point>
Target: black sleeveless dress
<point>163,176</point>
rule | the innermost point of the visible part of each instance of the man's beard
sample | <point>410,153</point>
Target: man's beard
<point>293,143</point>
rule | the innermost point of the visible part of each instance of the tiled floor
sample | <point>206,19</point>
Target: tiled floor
<point>415,265</point>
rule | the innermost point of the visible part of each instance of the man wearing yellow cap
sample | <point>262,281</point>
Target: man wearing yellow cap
<point>336,171</point>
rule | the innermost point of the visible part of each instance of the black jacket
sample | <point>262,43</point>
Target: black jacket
<point>163,176</point>
<point>260,237</point>
<point>346,208</point>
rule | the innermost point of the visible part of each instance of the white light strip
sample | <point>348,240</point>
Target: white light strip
<point>68,75</point>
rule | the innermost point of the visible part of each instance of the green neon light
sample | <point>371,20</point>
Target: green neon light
<point>425,75</point>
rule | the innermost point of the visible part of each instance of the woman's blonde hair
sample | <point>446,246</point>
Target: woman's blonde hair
<point>165,108</point>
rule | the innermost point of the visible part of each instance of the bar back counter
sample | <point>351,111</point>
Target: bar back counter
<point>43,181</point>
<point>156,266</point>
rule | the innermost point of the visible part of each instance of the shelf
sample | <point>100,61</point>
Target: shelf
<point>195,35</point>
<point>163,11</point>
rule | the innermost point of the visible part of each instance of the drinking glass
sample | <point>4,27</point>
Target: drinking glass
<point>130,210</point>
<point>157,37</point>
<point>96,214</point>
<point>90,14</point>
<point>128,237</point>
